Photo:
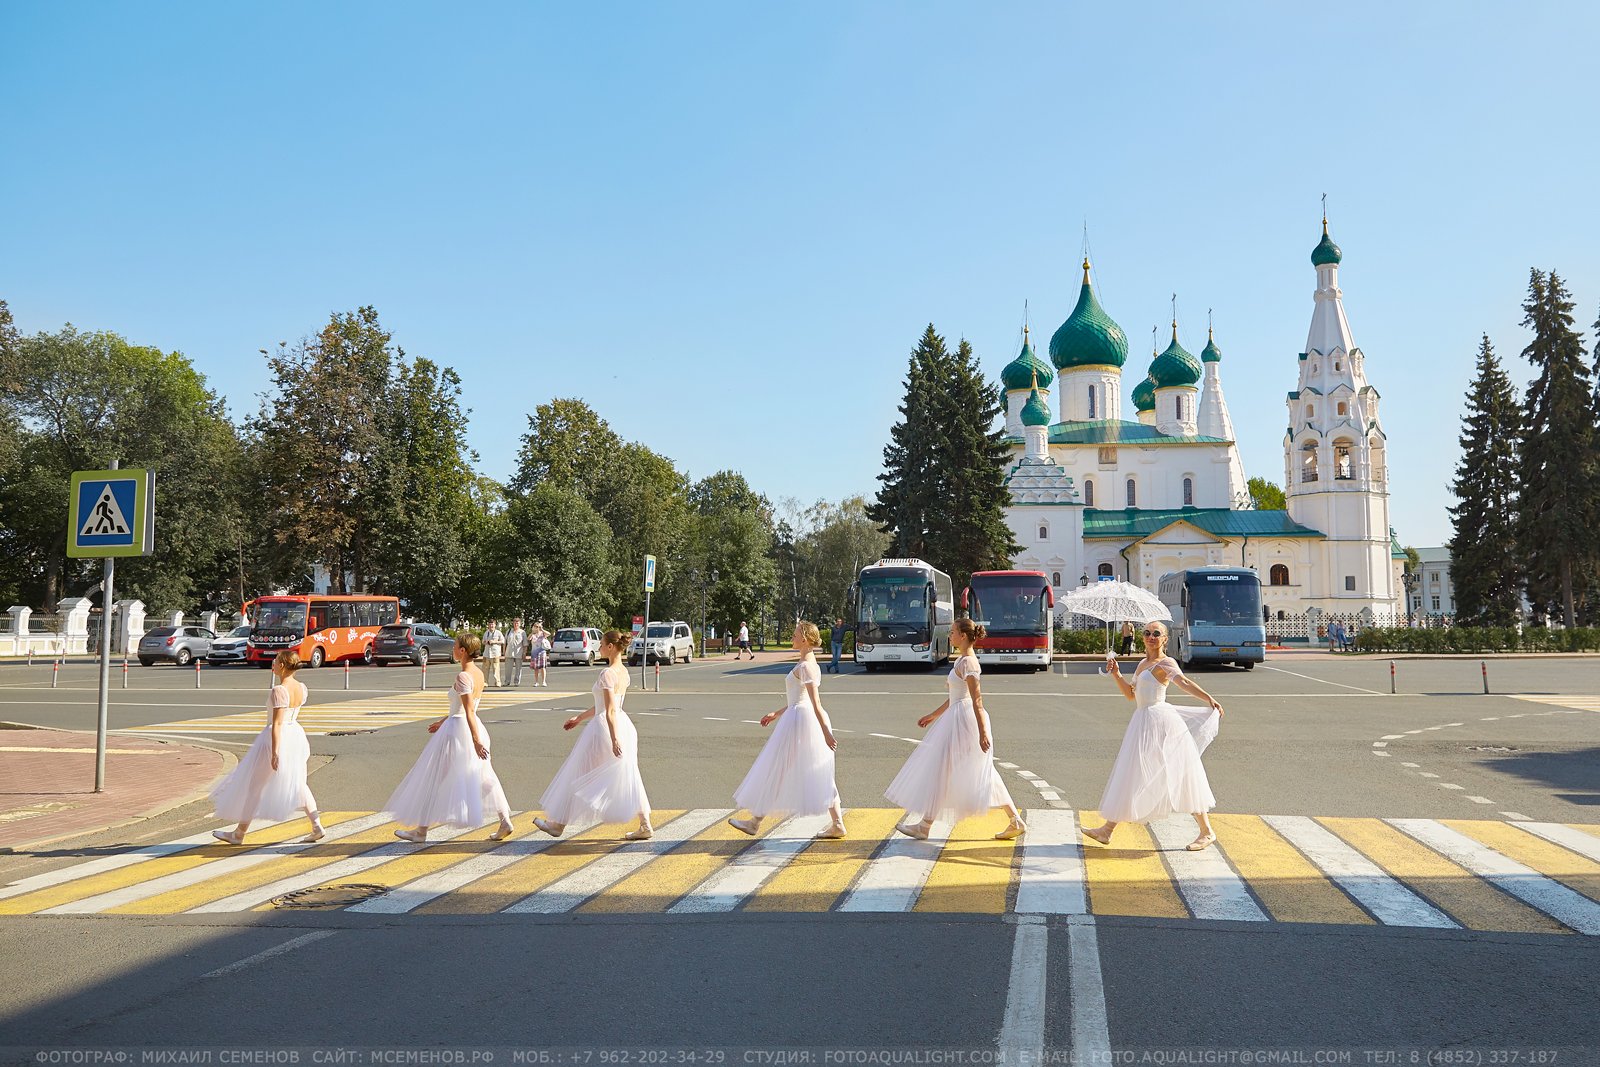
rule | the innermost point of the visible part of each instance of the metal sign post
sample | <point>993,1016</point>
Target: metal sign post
<point>644,633</point>
<point>110,513</point>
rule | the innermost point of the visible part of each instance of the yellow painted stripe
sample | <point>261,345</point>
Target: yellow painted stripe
<point>498,891</point>
<point>1289,885</point>
<point>1128,878</point>
<point>285,867</point>
<point>818,877</point>
<point>1586,827</point>
<point>134,873</point>
<point>1570,869</point>
<point>1466,898</point>
<point>666,878</point>
<point>974,872</point>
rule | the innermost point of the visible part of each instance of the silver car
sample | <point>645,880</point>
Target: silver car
<point>575,645</point>
<point>231,647</point>
<point>180,644</point>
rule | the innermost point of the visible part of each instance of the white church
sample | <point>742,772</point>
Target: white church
<point>1093,494</point>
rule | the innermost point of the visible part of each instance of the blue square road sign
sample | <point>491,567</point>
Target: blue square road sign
<point>111,513</point>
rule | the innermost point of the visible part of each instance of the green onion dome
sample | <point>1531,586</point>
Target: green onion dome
<point>1210,353</point>
<point>1035,412</point>
<point>1144,395</point>
<point>1175,366</point>
<point>1326,253</point>
<point>1027,370</point>
<point>1089,337</point>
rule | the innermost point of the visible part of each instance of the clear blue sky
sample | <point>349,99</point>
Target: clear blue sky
<point>725,225</point>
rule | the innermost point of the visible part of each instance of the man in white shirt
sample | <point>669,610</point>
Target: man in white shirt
<point>516,650</point>
<point>744,640</point>
<point>494,647</point>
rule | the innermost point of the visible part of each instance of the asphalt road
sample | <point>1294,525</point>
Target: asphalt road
<point>1301,738</point>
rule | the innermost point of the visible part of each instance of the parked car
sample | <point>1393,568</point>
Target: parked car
<point>180,644</point>
<point>231,647</point>
<point>662,642</point>
<point>575,645</point>
<point>411,642</point>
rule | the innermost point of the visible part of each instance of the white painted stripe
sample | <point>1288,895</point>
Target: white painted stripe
<point>112,863</point>
<point>567,893</point>
<point>1515,816</point>
<point>886,737</point>
<point>1425,774</point>
<point>1480,800</point>
<point>1565,836</point>
<point>1526,884</point>
<point>1051,881</point>
<point>413,895</point>
<point>328,872</point>
<point>1209,886</point>
<point>1022,1030</point>
<point>228,865</point>
<point>1449,785</point>
<point>1049,794</point>
<point>1380,744</point>
<point>1391,902</point>
<point>1383,753</point>
<point>1091,1039</point>
<point>1008,766</point>
<point>894,879</point>
<point>747,872</point>
<point>277,950</point>
<point>1394,737</point>
<point>1026,774</point>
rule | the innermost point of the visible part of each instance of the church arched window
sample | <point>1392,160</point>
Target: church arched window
<point>1188,492</point>
<point>1055,579</point>
<point>1088,492</point>
<point>1342,467</point>
<point>1044,532</point>
<point>1336,365</point>
<point>1092,415</point>
<point>1133,496</point>
<point>1310,411</point>
<point>1308,462</point>
<point>1106,571</point>
<point>1279,575</point>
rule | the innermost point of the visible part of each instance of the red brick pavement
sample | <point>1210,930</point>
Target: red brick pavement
<point>47,782</point>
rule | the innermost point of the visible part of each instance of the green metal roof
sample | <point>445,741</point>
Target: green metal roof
<point>1210,353</point>
<point>1019,373</point>
<point>1089,337</point>
<point>1035,412</point>
<point>1142,522</point>
<point>1326,252</point>
<point>1395,551</point>
<point>1144,395</point>
<point>1176,366</point>
<point>1116,432</point>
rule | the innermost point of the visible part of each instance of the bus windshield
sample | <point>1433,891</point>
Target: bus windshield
<point>281,615</point>
<point>1235,601</point>
<point>1010,605</point>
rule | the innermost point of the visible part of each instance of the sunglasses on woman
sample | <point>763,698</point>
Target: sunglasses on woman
<point>1153,633</point>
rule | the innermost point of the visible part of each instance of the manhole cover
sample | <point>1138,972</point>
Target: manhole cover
<point>348,733</point>
<point>329,896</point>
<point>1491,748</point>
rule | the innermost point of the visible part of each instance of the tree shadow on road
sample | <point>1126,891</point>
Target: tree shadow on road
<point>1576,771</point>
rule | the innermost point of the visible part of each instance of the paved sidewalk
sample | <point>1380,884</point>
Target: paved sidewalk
<point>47,782</point>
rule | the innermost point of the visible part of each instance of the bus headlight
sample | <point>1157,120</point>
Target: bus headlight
<point>863,648</point>
<point>919,648</point>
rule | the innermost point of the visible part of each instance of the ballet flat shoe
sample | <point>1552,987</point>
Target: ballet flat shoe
<point>226,837</point>
<point>414,836</point>
<point>745,826</point>
<point>830,833</point>
<point>917,831</point>
<point>1094,836</point>
<point>317,834</point>
<point>501,832</point>
<point>547,826</point>
<point>1200,844</point>
<point>641,834</point>
<point>1016,829</point>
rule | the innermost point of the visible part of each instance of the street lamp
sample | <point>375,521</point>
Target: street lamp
<point>1084,580</point>
<point>1409,578</point>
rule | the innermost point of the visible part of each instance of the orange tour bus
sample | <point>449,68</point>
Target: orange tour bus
<point>323,629</point>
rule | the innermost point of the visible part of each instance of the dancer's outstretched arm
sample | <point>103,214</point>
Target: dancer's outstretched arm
<point>1174,676</point>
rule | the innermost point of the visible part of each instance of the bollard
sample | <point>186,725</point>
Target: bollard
<point>347,674</point>
<point>658,677</point>
<point>1485,666</point>
<point>124,672</point>
<point>424,675</point>
<point>55,673</point>
<point>197,674</point>
<point>1391,677</point>
<point>30,655</point>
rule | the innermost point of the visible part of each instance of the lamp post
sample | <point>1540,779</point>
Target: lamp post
<point>1409,578</point>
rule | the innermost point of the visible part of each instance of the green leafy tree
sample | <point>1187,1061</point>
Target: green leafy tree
<point>732,538</point>
<point>1558,498</point>
<point>1266,495</point>
<point>1485,562</point>
<point>546,556</point>
<point>835,542</point>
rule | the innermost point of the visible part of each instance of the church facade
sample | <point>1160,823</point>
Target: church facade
<point>1093,494</point>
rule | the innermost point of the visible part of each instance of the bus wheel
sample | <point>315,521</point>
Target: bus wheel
<point>317,656</point>
<point>870,667</point>
<point>1248,664</point>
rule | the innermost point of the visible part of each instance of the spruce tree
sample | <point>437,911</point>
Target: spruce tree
<point>1558,498</point>
<point>912,487</point>
<point>973,533</point>
<point>1485,564</point>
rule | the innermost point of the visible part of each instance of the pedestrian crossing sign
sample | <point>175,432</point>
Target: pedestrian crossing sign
<point>111,513</point>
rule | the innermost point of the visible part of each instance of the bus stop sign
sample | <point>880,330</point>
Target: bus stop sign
<point>111,513</point>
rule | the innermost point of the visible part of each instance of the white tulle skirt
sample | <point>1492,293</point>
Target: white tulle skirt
<point>794,772</point>
<point>449,785</point>
<point>594,783</point>
<point>253,790</point>
<point>948,776</point>
<point>1158,770</point>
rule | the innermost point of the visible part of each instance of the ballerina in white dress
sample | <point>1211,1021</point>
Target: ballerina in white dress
<point>270,780</point>
<point>1158,769</point>
<point>453,783</point>
<point>600,778</point>
<point>794,772</point>
<point>951,775</point>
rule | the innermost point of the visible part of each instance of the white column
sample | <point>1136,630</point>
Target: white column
<point>74,611</point>
<point>176,620</point>
<point>208,619</point>
<point>130,624</point>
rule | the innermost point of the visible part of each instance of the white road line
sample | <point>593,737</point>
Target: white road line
<point>228,865</point>
<point>328,872</point>
<point>1490,718</point>
<point>1049,794</point>
<point>1449,785</point>
<point>1009,766</point>
<point>1515,816</point>
<point>1410,764</point>
<point>1022,1031</point>
<point>747,872</point>
<point>1383,753</point>
<point>1526,884</point>
<point>112,863</point>
<point>1027,774</point>
<point>713,718</point>
<point>1209,886</point>
<point>1380,744</point>
<point>1091,1040</point>
<point>1565,836</point>
<point>1480,800</point>
<point>1392,903</point>
<point>893,880</point>
<point>413,895</point>
<point>277,950</point>
<point>1394,737</point>
<point>1051,881</point>
<point>1324,681</point>
<point>886,737</point>
<point>1426,774</point>
<point>568,892</point>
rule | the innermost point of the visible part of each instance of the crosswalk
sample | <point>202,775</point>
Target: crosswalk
<point>348,716</point>
<point>1583,702</point>
<point>1522,877</point>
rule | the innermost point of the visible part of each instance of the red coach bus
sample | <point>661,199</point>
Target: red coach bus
<point>323,629</point>
<point>1016,608</point>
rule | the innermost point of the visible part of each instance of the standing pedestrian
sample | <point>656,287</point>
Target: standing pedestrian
<point>270,779</point>
<point>794,772</point>
<point>1128,634</point>
<point>744,639</point>
<point>452,783</point>
<point>600,778</point>
<point>539,648</point>
<point>494,647</point>
<point>837,640</point>
<point>1158,770</point>
<point>516,650</point>
<point>951,775</point>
